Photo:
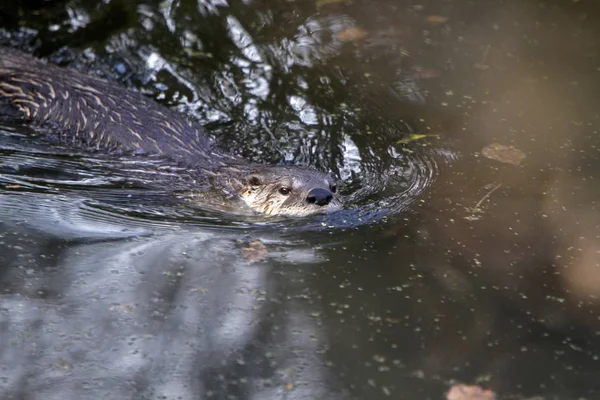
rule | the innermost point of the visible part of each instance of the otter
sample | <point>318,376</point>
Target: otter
<point>85,111</point>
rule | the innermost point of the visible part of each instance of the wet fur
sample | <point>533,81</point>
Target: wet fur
<point>85,111</point>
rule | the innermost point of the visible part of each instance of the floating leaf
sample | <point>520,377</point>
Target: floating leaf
<point>352,34</point>
<point>414,136</point>
<point>503,153</point>
<point>255,251</point>
<point>436,19</point>
<point>469,392</point>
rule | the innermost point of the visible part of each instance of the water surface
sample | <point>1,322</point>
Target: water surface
<point>446,266</point>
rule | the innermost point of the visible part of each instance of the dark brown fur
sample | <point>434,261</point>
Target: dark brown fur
<point>85,111</point>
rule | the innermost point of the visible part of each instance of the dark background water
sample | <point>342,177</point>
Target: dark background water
<point>446,266</point>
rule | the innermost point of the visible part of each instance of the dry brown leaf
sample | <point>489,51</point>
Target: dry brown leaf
<point>352,34</point>
<point>503,153</point>
<point>469,392</point>
<point>436,19</point>
<point>255,251</point>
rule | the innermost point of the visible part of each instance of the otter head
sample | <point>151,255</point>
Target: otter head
<point>289,191</point>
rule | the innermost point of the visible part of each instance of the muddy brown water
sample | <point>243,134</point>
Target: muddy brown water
<point>464,135</point>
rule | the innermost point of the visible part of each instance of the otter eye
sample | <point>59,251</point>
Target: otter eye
<point>284,190</point>
<point>333,188</point>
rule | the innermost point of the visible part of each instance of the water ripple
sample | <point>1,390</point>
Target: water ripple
<point>77,188</point>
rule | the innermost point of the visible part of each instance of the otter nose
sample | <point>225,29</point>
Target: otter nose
<point>320,197</point>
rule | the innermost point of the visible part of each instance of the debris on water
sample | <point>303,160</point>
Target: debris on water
<point>503,153</point>
<point>62,364</point>
<point>352,34</point>
<point>477,208</point>
<point>418,374</point>
<point>123,308</point>
<point>435,19</point>
<point>323,3</point>
<point>419,72</point>
<point>415,136</point>
<point>255,251</point>
<point>469,392</point>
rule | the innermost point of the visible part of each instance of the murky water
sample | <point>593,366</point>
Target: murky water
<point>446,266</point>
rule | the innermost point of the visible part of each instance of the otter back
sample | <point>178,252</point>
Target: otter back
<point>86,111</point>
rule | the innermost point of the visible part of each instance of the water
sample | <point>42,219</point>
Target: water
<point>445,266</point>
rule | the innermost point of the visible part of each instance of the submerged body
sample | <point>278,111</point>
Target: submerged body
<point>85,111</point>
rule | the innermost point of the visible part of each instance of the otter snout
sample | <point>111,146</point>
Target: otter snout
<point>320,197</point>
<point>289,191</point>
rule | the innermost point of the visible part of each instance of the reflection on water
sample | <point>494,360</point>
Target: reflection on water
<point>137,316</point>
<point>446,265</point>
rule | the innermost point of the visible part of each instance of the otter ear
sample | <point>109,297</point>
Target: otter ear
<point>252,180</point>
